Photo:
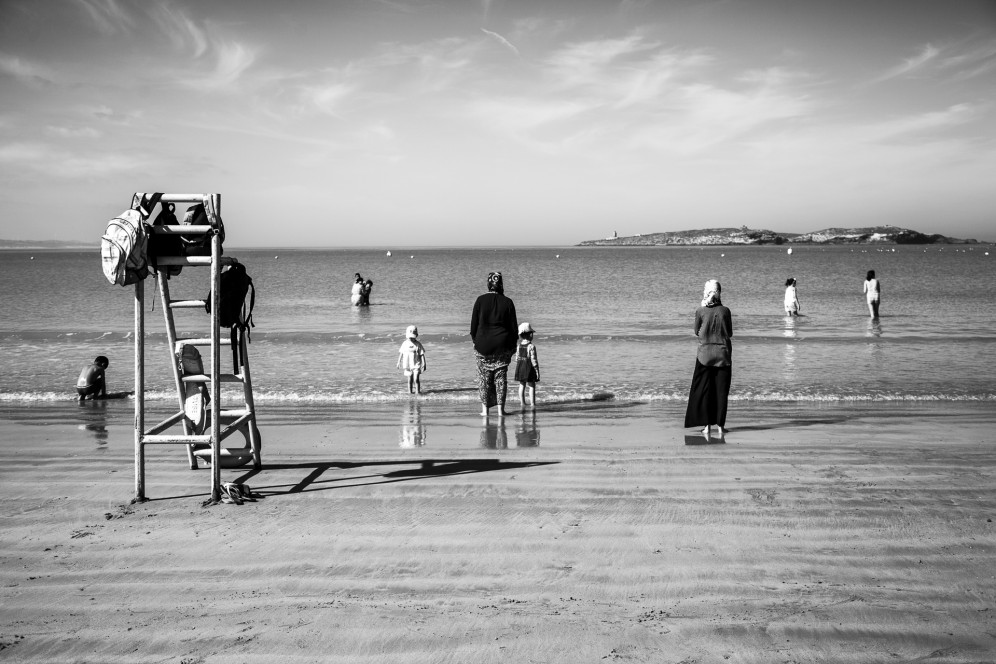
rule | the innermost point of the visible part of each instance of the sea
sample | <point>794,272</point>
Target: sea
<point>612,323</point>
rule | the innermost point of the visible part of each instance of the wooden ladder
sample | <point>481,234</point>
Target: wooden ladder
<point>221,423</point>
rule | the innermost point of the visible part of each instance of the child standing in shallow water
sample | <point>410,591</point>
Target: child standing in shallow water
<point>526,365</point>
<point>791,298</point>
<point>411,359</point>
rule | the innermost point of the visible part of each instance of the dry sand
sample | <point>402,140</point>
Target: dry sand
<point>830,535</point>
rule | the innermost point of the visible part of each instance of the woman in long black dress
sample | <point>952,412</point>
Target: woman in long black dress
<point>710,389</point>
<point>495,332</point>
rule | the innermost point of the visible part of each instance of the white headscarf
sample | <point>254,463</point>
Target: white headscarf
<point>710,294</point>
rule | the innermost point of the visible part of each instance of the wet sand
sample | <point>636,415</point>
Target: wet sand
<point>591,533</point>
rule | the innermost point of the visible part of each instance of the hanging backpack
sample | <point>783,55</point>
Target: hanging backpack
<point>165,244</point>
<point>200,245</point>
<point>236,284</point>
<point>124,246</point>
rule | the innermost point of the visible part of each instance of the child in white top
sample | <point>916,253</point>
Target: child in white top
<point>873,293</point>
<point>411,359</point>
<point>791,298</point>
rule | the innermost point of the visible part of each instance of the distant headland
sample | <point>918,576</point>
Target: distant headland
<point>750,236</point>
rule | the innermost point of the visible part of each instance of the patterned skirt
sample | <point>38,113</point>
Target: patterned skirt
<point>492,377</point>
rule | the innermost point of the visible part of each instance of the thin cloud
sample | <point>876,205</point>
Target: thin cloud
<point>231,60</point>
<point>69,132</point>
<point>180,29</point>
<point>63,164</point>
<point>30,73</point>
<point>327,99</point>
<point>922,126</point>
<point>973,62</point>
<point>501,40</point>
<point>632,94</point>
<point>107,16</point>
<point>928,53</point>
<point>108,114</point>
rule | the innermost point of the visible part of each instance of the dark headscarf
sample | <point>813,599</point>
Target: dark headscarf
<point>495,284</point>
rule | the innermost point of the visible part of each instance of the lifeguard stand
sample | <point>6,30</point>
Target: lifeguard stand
<point>220,423</point>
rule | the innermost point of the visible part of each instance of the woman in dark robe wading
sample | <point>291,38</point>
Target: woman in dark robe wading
<point>710,391</point>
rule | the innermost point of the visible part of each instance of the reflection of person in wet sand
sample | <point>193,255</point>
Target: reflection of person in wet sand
<point>412,429</point>
<point>494,436</point>
<point>527,434</point>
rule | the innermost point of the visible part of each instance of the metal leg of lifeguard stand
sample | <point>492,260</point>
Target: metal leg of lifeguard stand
<point>139,390</point>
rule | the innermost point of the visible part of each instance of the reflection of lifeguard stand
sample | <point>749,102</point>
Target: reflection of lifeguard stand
<point>205,443</point>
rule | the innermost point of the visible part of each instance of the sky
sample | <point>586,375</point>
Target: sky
<point>402,123</point>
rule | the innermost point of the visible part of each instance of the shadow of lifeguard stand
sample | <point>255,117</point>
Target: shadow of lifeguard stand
<point>203,436</point>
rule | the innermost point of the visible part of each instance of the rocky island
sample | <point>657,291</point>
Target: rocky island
<point>750,236</point>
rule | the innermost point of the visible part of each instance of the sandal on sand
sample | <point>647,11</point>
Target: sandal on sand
<point>231,491</point>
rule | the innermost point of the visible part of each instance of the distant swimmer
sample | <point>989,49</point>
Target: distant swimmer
<point>365,289</point>
<point>791,298</point>
<point>873,293</point>
<point>92,382</point>
<point>356,297</point>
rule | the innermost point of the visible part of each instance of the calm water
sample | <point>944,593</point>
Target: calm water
<point>611,323</point>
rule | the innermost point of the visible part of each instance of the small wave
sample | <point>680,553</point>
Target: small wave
<point>548,396</point>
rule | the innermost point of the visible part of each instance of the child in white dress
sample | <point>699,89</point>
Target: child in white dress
<point>791,298</point>
<point>411,359</point>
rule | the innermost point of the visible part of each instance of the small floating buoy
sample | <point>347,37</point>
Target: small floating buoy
<point>389,253</point>
<point>722,255</point>
<point>276,257</point>
<point>558,255</point>
<point>789,251</point>
<point>32,258</point>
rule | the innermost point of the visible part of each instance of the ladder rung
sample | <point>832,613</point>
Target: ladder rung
<point>187,304</point>
<point>204,378</point>
<point>190,229</point>
<point>191,260</point>
<point>165,424</point>
<point>176,439</point>
<point>185,198</point>
<point>180,343</point>
<point>234,413</point>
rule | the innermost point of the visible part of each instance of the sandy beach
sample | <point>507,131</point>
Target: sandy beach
<point>589,533</point>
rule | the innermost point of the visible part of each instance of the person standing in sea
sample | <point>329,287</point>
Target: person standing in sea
<point>356,296</point>
<point>710,390</point>
<point>873,293</point>
<point>495,331</point>
<point>791,298</point>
